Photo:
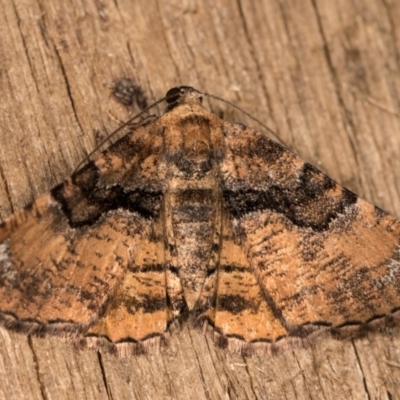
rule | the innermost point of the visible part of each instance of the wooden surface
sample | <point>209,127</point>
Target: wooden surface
<point>323,74</point>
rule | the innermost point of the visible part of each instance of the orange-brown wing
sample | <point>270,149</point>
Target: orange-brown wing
<point>65,258</point>
<point>317,255</point>
<point>234,303</point>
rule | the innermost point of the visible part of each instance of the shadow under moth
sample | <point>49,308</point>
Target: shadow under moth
<point>191,217</point>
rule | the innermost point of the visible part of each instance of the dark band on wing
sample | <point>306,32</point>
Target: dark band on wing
<point>84,200</point>
<point>148,304</point>
<point>235,304</point>
<point>309,203</point>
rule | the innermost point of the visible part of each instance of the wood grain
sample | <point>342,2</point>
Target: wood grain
<point>323,74</point>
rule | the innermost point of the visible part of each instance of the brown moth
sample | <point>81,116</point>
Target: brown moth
<point>190,217</point>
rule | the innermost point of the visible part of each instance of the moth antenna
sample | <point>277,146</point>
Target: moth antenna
<point>129,121</point>
<point>274,134</point>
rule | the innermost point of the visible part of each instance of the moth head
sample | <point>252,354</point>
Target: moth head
<point>181,95</point>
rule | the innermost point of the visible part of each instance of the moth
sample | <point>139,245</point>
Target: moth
<point>190,217</point>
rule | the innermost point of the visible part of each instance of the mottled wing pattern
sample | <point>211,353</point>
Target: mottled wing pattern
<point>88,247</point>
<point>238,309</point>
<point>138,315</point>
<point>305,254</point>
